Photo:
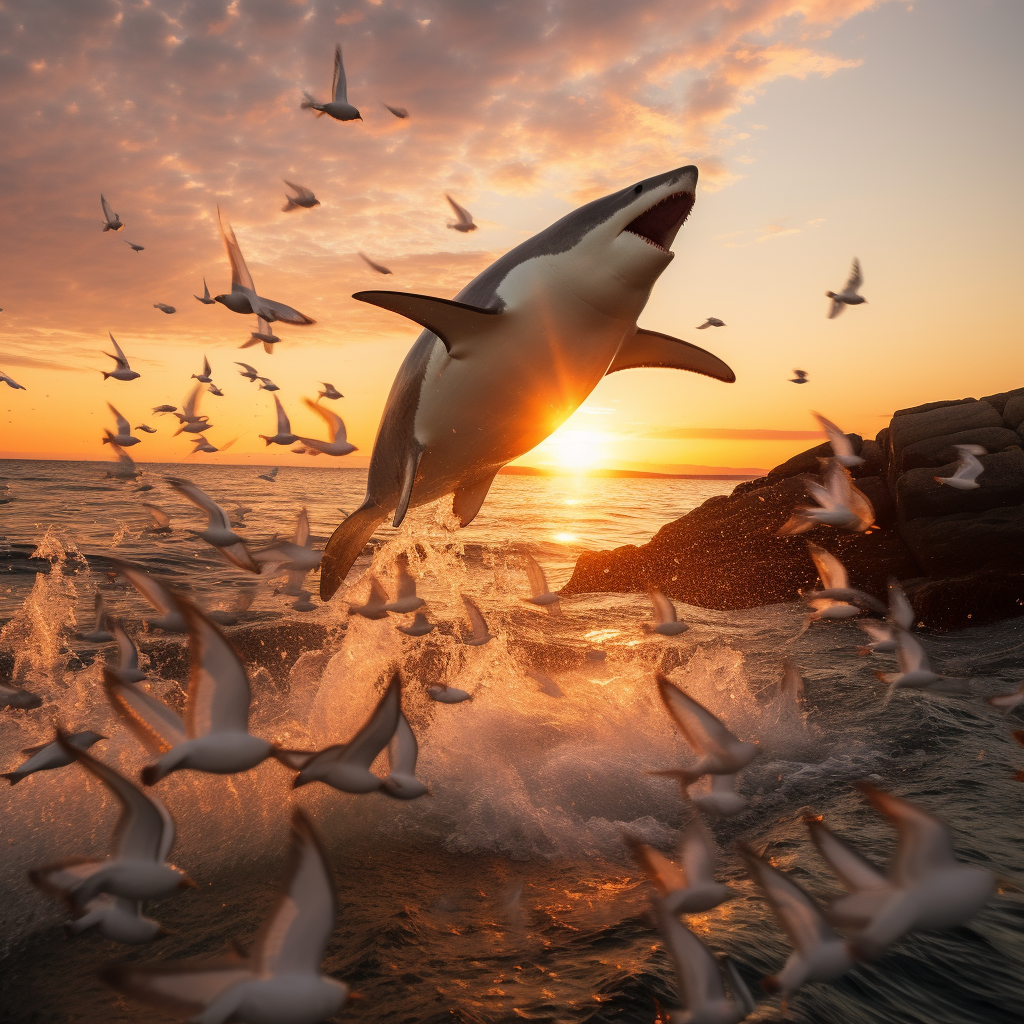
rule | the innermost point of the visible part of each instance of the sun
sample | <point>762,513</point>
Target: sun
<point>578,449</point>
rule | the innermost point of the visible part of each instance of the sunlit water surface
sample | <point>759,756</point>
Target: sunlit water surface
<point>507,894</point>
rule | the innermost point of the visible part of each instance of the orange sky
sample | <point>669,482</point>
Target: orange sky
<point>823,129</point>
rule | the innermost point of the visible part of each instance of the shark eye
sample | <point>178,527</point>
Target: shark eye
<point>638,189</point>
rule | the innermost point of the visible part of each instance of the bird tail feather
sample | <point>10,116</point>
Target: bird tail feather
<point>345,545</point>
<point>308,103</point>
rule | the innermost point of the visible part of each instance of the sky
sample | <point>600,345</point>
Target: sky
<point>823,130</point>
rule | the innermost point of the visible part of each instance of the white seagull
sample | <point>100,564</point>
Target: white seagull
<point>164,308</point>
<point>266,384</point>
<point>145,428</point>
<point>699,979</point>
<point>718,751</point>
<point>376,602</point>
<point>111,221</point>
<point>159,597</point>
<point>127,670</point>
<point>915,670</point>
<point>243,298</point>
<point>303,198</point>
<point>330,391</point>
<point>205,298</point>
<point>819,954</point>
<point>407,599</point>
<point>338,443</point>
<point>190,420</point>
<point>204,377</point>
<point>379,267</point>
<point>338,106</point>
<point>463,218</point>
<point>842,447</point>
<point>296,556</point>
<point>480,634</point>
<point>279,980</point>
<point>164,408</point>
<point>218,532</point>
<point>839,503</point>
<point>712,321</point>
<point>665,621</point>
<point>247,371</point>
<point>346,766</point>
<point>123,437</point>
<point>100,632</point>
<point>400,112</point>
<point>401,782</point>
<point>826,603</point>
<point>143,839</point>
<point>284,433</point>
<point>540,593</point>
<point>263,334</point>
<point>849,295</point>
<point>420,626</point>
<point>123,371</point>
<point>11,382</point>
<point>689,886</point>
<point>46,756</point>
<point>968,469</point>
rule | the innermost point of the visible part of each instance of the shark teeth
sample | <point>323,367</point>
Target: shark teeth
<point>659,224</point>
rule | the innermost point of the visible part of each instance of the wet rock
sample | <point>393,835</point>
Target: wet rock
<point>967,541</point>
<point>956,602</point>
<point>938,451</point>
<point>919,495</point>
<point>912,427</point>
<point>929,406</point>
<point>998,402</point>
<point>1013,411</point>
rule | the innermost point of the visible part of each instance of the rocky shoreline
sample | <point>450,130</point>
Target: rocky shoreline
<point>959,554</point>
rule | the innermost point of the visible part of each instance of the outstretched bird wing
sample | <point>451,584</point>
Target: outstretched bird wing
<point>241,279</point>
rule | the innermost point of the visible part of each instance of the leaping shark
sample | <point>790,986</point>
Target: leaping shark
<point>519,349</point>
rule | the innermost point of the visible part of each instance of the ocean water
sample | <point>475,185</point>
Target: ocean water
<point>508,893</point>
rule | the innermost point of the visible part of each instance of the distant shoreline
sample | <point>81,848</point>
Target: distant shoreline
<point>623,473</point>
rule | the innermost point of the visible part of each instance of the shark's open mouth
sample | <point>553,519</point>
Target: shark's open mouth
<point>661,222</point>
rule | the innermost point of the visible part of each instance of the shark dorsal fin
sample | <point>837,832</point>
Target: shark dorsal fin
<point>649,348</point>
<point>455,323</point>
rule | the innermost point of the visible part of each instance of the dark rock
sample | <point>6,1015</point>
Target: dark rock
<point>972,600</point>
<point>919,494</point>
<point>998,402</point>
<point>875,460</point>
<point>1013,411</point>
<point>725,554</point>
<point>807,462</point>
<point>912,427</point>
<point>876,491</point>
<point>937,451</point>
<point>968,541</point>
<point>928,406</point>
<point>749,485</point>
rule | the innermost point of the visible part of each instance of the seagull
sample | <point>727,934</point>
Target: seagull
<point>99,634</point>
<point>380,268</point>
<point>11,382</point>
<point>968,469</point>
<point>1006,702</point>
<point>46,756</point>
<point>159,597</point>
<point>303,198</point>
<point>400,112</point>
<point>284,433</point>
<point>840,504</point>
<point>123,371</point>
<point>205,297</point>
<point>540,594</point>
<point>933,890</point>
<point>338,106</point>
<point>915,670</point>
<point>243,298</point>
<point>833,601</point>
<point>665,620</point>
<point>218,532</point>
<point>420,626</point>
<point>819,954</point>
<point>214,390</point>
<point>125,468</point>
<point>799,377</point>
<point>14,696</point>
<point>164,308</point>
<point>202,445</point>
<point>296,556</point>
<point>190,419</point>
<point>111,221</point>
<point>463,218</point>
<point>842,447</point>
<point>849,295</point>
<point>480,634</point>
<point>127,657</point>
<point>688,887</point>
<point>270,476</point>
<point>346,766</point>
<point>376,602</point>
<point>238,516</point>
<point>447,694</point>
<point>204,377</point>
<point>248,372</point>
<point>337,445</point>
<point>280,979</point>
<point>881,637</point>
<point>123,437</point>
<point>268,385</point>
<point>406,600</point>
<point>699,979</point>
<point>712,321</point>
<point>721,799</point>
<point>401,782</point>
<point>214,735</point>
<point>264,334</point>
<point>146,429</point>
<point>134,247</point>
<point>718,751</point>
<point>143,837</point>
<point>164,408</point>
<point>330,391</point>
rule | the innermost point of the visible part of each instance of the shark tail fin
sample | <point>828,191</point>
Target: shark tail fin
<point>13,777</point>
<point>344,547</point>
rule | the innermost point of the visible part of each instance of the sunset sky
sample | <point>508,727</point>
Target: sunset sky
<point>823,130</point>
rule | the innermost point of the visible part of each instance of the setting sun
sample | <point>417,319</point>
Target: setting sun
<point>578,449</point>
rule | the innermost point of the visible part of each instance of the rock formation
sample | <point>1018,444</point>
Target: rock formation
<point>959,554</point>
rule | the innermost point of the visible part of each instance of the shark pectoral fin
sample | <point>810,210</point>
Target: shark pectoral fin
<point>344,547</point>
<point>412,462</point>
<point>469,498</point>
<point>649,348</point>
<point>455,323</point>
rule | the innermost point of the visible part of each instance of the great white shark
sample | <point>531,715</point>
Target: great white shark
<point>503,364</point>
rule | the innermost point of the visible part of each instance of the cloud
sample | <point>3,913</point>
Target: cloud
<point>729,434</point>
